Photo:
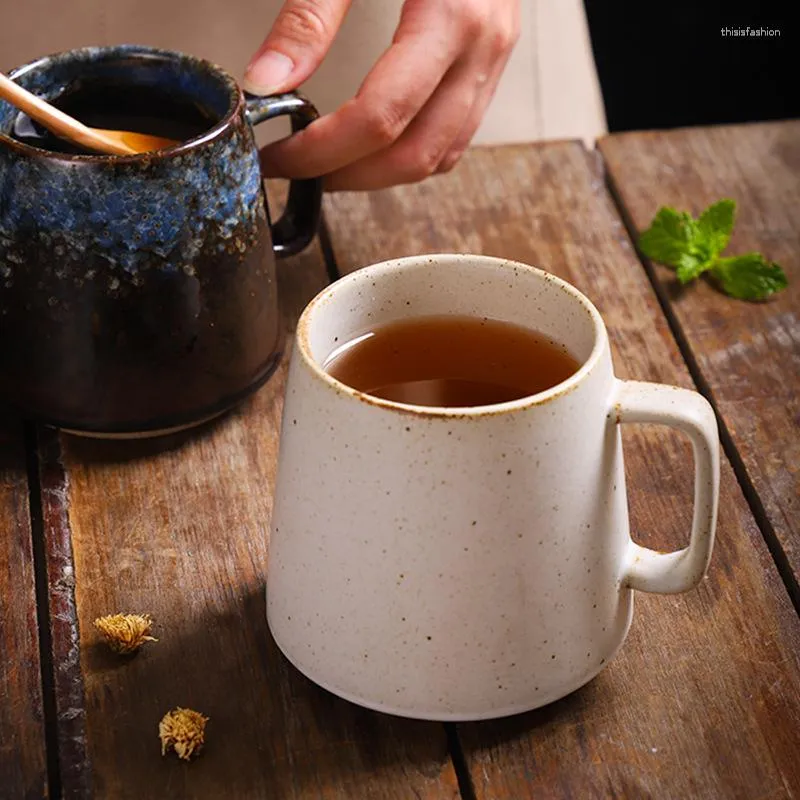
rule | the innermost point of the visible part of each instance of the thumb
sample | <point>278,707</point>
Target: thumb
<point>301,36</point>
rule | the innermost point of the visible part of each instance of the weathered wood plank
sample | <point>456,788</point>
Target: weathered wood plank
<point>23,767</point>
<point>704,699</point>
<point>73,766</point>
<point>177,528</point>
<point>747,353</point>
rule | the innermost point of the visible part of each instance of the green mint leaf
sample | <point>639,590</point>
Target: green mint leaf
<point>670,238</point>
<point>749,277</point>
<point>715,224</point>
<point>689,271</point>
<point>673,238</point>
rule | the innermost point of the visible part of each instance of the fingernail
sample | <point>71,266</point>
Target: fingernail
<point>267,73</point>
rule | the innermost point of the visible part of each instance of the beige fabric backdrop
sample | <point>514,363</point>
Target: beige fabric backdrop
<point>549,89</point>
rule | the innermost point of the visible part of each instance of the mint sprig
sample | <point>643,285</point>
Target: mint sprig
<point>694,246</point>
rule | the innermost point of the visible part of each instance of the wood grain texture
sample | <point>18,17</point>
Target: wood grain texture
<point>23,770</point>
<point>747,353</point>
<point>177,528</point>
<point>703,700</point>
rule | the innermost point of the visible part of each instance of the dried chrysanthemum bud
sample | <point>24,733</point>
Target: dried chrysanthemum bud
<point>183,730</point>
<point>125,633</point>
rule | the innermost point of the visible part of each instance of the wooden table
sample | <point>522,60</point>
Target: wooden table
<point>702,702</point>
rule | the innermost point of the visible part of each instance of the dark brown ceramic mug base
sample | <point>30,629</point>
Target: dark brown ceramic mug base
<point>169,427</point>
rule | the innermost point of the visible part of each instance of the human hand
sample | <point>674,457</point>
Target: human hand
<point>417,109</point>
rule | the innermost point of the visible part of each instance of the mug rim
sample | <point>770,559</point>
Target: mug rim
<point>236,102</point>
<point>375,271</point>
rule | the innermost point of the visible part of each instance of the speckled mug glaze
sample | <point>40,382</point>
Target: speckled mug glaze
<point>138,293</point>
<point>466,563</point>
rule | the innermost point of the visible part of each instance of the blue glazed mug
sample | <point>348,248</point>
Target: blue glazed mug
<point>138,293</point>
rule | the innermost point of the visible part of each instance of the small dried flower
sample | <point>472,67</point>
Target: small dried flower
<point>183,730</point>
<point>125,633</point>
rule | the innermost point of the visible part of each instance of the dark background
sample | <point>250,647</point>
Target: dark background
<point>665,64</point>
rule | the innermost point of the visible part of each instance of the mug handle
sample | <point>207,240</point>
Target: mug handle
<point>299,222</point>
<point>689,412</point>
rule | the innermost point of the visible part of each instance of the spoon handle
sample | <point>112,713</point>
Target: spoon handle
<point>57,121</point>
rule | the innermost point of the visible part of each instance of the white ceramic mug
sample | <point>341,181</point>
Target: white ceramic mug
<point>466,563</point>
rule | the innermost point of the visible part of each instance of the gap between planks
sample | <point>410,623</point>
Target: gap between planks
<point>46,666</point>
<point>687,353</point>
<point>59,636</point>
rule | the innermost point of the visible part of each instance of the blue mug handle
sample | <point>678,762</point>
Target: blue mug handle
<point>299,222</point>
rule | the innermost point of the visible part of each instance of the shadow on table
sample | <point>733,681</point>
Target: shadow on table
<point>674,289</point>
<point>565,711</point>
<point>272,733</point>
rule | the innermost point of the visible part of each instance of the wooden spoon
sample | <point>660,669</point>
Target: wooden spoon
<point>121,143</point>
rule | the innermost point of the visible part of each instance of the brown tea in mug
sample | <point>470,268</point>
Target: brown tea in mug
<point>456,361</point>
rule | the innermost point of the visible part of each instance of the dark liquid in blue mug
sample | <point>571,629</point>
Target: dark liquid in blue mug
<point>115,106</point>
